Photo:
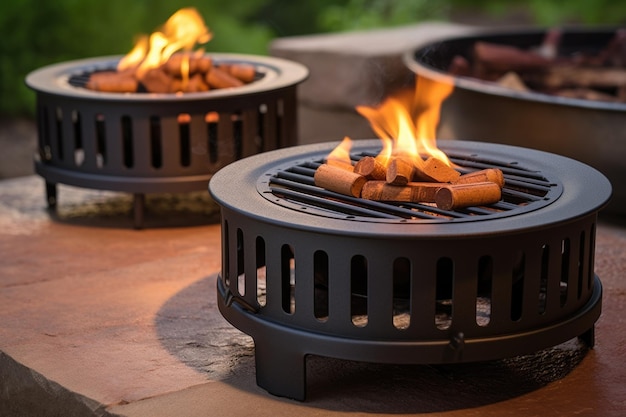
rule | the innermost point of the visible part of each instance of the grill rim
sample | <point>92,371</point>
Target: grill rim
<point>413,59</point>
<point>54,79</point>
<point>381,209</point>
<point>582,183</point>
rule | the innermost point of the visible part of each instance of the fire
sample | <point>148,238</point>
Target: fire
<point>410,168</point>
<point>182,31</point>
<point>341,154</point>
<point>407,121</point>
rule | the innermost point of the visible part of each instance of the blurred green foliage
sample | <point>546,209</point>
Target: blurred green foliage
<point>367,14</point>
<point>555,12</point>
<point>40,32</point>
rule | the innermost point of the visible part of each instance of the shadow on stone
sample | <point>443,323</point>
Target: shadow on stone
<point>378,388</point>
<point>191,328</point>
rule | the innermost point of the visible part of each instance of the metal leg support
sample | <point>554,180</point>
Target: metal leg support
<point>589,337</point>
<point>280,370</point>
<point>139,203</point>
<point>51,195</point>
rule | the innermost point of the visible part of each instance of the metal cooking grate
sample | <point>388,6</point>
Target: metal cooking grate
<point>81,78</point>
<point>525,190</point>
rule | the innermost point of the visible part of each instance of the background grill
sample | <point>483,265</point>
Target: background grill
<point>155,143</point>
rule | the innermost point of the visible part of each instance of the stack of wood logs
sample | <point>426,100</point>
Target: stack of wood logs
<point>408,179</point>
<point>599,76</point>
<point>203,75</point>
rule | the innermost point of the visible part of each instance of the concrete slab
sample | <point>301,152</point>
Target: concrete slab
<point>350,69</point>
<point>104,320</point>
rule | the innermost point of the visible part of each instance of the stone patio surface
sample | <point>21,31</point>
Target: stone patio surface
<point>99,319</point>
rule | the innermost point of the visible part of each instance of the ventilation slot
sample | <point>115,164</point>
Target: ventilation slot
<point>288,279</point>
<point>260,133</point>
<point>565,262</point>
<point>280,111</point>
<point>237,120</point>
<point>241,276</point>
<point>484,291</point>
<point>320,276</point>
<point>226,253</point>
<point>592,249</point>
<point>44,133</point>
<point>401,293</point>
<point>543,279</point>
<point>156,146</point>
<point>358,290</point>
<point>127,142</point>
<point>261,280</point>
<point>101,151</point>
<point>184,136</point>
<point>59,131</point>
<point>581,265</point>
<point>212,121</point>
<point>79,152</point>
<point>443,293</point>
<point>517,290</point>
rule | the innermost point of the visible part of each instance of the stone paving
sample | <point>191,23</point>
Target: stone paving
<point>104,320</point>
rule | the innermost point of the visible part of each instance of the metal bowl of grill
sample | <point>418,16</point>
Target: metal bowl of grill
<point>586,130</point>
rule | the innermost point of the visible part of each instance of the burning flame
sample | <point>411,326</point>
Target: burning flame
<point>341,154</point>
<point>183,30</point>
<point>407,121</point>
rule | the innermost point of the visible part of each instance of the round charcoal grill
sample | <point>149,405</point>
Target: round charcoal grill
<point>157,143</point>
<point>308,271</point>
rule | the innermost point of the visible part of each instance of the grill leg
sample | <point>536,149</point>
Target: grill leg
<point>51,195</point>
<point>139,203</point>
<point>589,337</point>
<point>279,369</point>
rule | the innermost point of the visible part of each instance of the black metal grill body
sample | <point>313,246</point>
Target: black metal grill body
<point>157,143</point>
<point>308,277</point>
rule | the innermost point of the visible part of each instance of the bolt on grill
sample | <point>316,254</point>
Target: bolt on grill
<point>156,143</point>
<point>305,271</point>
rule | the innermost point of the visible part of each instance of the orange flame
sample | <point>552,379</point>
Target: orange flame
<point>183,30</point>
<point>341,154</point>
<point>407,121</point>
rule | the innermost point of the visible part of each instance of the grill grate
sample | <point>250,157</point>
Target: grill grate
<point>81,77</point>
<point>525,189</point>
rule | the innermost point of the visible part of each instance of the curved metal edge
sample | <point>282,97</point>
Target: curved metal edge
<point>265,190</point>
<point>52,79</point>
<point>485,87</point>
<point>457,349</point>
<point>123,183</point>
<point>581,197</point>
